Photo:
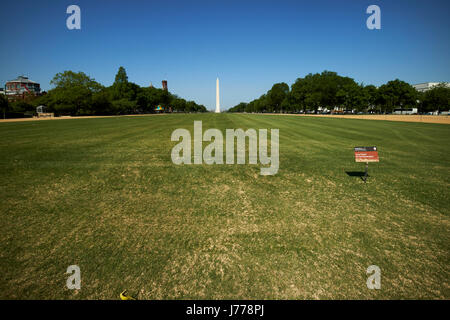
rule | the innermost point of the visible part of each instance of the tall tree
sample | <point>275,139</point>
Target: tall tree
<point>122,88</point>
<point>276,95</point>
<point>437,98</point>
<point>371,93</point>
<point>397,94</point>
<point>4,105</point>
<point>72,93</point>
<point>121,76</point>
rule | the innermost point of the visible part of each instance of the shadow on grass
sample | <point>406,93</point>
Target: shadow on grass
<point>359,174</point>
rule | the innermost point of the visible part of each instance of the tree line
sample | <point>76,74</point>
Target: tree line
<point>77,94</point>
<point>328,91</point>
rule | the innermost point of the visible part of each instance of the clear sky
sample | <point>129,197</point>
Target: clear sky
<point>249,45</point>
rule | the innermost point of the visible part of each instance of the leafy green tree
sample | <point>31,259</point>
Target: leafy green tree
<point>330,90</point>
<point>123,106</point>
<point>121,76</point>
<point>285,106</point>
<point>299,91</point>
<point>72,93</point>
<point>326,90</point>
<point>178,104</point>
<point>22,106</point>
<point>190,106</point>
<point>327,85</point>
<point>313,100</point>
<point>276,95</point>
<point>371,93</point>
<point>353,97</point>
<point>4,105</point>
<point>241,107</point>
<point>70,79</point>
<point>101,104</point>
<point>122,88</point>
<point>437,98</point>
<point>149,98</point>
<point>260,104</point>
<point>397,94</point>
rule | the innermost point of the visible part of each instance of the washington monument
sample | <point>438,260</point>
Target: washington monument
<point>217,97</point>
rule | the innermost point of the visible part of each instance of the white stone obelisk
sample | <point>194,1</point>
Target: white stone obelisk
<point>217,97</point>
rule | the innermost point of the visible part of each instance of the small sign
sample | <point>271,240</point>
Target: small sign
<point>366,154</point>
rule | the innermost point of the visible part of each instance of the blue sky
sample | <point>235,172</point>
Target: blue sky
<point>249,45</point>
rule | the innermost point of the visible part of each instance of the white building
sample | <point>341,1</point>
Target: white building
<point>422,87</point>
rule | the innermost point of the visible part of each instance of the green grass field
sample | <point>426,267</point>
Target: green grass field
<point>104,194</point>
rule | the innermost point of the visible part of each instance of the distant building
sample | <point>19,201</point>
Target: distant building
<point>164,84</point>
<point>422,87</point>
<point>2,91</point>
<point>21,86</point>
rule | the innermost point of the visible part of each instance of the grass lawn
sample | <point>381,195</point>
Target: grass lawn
<point>104,194</point>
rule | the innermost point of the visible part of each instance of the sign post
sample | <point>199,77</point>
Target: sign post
<point>366,154</point>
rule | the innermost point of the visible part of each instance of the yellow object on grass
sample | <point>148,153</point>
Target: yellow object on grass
<point>124,296</point>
